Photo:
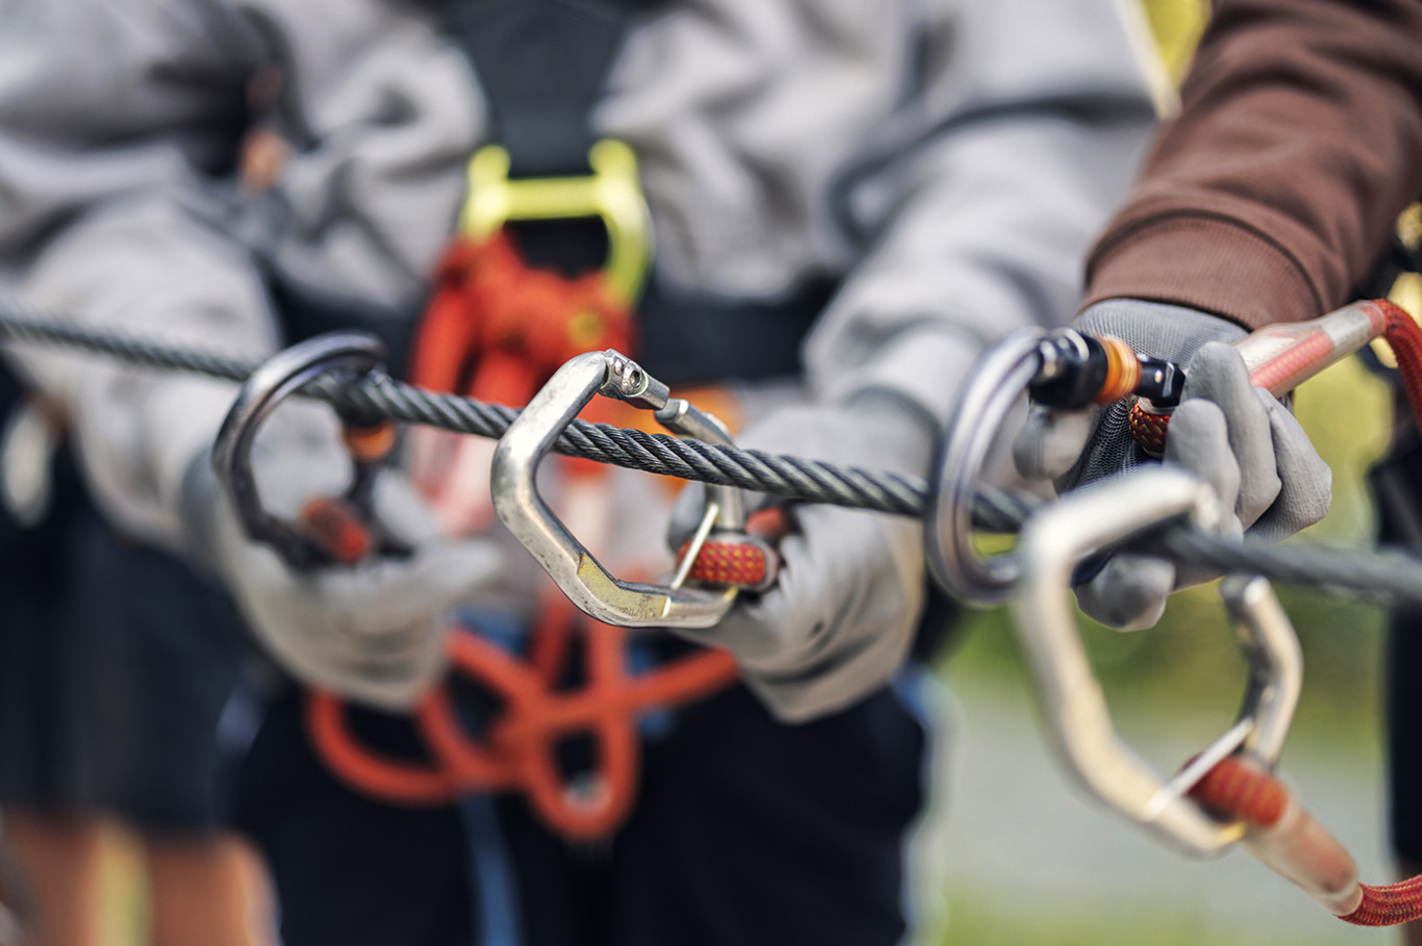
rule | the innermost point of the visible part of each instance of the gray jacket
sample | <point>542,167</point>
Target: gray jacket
<point>950,159</point>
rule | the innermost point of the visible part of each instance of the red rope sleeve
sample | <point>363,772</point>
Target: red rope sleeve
<point>1251,794</point>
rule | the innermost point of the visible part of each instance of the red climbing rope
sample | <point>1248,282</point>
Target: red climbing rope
<point>1291,841</point>
<point>1309,353</point>
<point>518,750</point>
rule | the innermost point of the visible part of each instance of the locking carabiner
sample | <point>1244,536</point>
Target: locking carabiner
<point>581,577</point>
<point>1052,543</point>
<point>331,530</point>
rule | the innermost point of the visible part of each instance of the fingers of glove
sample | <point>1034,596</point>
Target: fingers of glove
<point>878,432</point>
<point>1051,441</point>
<point>1129,592</point>
<point>402,511</point>
<point>840,616</point>
<point>319,645</point>
<point>1306,488</point>
<point>297,455</point>
<point>390,593</point>
<point>1199,442</point>
<point>1217,373</point>
<point>844,678</point>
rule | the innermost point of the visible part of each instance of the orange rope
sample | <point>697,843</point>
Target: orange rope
<point>1242,791</point>
<point>1401,331</point>
<point>519,751</point>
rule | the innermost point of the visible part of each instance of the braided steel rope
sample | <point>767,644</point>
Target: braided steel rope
<point>1376,576</point>
<point>807,480</point>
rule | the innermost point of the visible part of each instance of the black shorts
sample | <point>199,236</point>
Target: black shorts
<point>116,664</point>
<point>1404,734</point>
<point>1397,488</point>
<point>747,832</point>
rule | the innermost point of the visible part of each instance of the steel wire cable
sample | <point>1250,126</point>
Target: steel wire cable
<point>1382,577</point>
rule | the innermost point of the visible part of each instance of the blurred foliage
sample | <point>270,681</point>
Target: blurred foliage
<point>976,923</point>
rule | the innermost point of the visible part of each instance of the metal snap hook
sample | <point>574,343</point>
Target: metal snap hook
<point>580,576</point>
<point>369,440</point>
<point>1052,543</point>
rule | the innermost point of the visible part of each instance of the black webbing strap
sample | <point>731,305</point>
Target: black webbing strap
<point>543,64</point>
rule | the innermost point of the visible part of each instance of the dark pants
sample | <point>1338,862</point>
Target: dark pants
<point>116,664</point>
<point>1397,488</point>
<point>746,832</point>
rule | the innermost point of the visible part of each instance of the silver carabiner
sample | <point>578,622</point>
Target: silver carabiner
<point>1051,544</point>
<point>275,379</point>
<point>580,576</point>
<point>992,387</point>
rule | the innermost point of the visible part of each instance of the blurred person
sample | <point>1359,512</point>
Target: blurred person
<point>1271,197</point>
<point>117,664</point>
<point>849,202</point>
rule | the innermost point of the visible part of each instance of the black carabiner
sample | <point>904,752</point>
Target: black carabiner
<point>331,530</point>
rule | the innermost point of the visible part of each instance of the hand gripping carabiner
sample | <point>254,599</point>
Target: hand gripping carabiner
<point>581,577</point>
<point>1052,543</point>
<point>331,530</point>
<point>1062,368</point>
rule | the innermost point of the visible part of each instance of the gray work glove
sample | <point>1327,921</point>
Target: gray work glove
<point>842,613</point>
<point>1238,438</point>
<point>372,632</point>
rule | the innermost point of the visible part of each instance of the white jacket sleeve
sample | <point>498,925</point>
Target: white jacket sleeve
<point>1023,134</point>
<point>116,120</point>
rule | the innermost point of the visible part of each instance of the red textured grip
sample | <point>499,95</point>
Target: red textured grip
<point>742,564</point>
<point>1239,790</point>
<point>1388,904</point>
<point>335,526</point>
<point>1242,791</point>
<point>1148,429</point>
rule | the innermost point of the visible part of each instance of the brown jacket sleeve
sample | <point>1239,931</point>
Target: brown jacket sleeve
<point>1274,191</point>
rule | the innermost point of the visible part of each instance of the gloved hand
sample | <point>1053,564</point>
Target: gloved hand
<point>841,615</point>
<point>372,632</point>
<point>1236,437</point>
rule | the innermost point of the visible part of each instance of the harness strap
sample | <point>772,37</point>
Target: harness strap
<point>543,65</point>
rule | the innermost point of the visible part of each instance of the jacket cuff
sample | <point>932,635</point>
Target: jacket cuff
<point>1205,263</point>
